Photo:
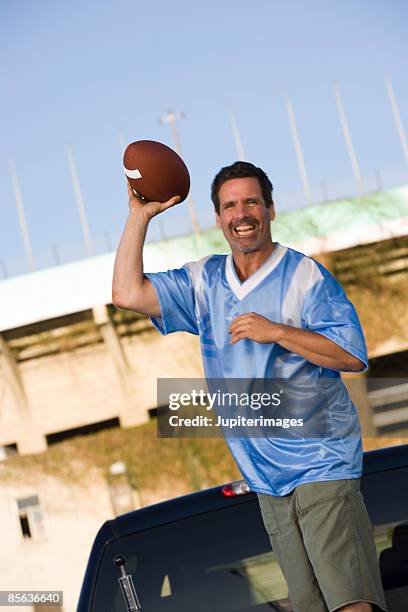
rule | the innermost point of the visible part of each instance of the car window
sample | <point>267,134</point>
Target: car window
<point>218,561</point>
<point>392,547</point>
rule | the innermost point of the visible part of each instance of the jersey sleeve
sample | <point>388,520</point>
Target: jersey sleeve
<point>175,293</point>
<point>327,311</point>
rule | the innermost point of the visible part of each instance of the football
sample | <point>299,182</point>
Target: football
<point>155,171</point>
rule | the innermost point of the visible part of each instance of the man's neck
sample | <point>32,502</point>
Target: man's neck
<point>247,264</point>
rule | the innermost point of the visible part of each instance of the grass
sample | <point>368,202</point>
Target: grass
<point>157,468</point>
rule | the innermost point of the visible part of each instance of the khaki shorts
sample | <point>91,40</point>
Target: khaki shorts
<point>323,540</point>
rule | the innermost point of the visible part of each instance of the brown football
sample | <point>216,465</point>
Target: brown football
<point>155,171</point>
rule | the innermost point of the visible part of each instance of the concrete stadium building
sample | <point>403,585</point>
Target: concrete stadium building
<point>71,360</point>
<point>72,363</point>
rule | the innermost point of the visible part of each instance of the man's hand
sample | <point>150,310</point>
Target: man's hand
<point>314,347</point>
<point>253,327</point>
<point>148,210</point>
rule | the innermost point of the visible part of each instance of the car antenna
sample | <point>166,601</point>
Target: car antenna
<point>127,587</point>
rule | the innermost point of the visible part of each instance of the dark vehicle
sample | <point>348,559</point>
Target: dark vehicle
<point>209,551</point>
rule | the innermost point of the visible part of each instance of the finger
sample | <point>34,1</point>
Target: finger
<point>238,326</point>
<point>240,332</point>
<point>174,200</point>
<point>235,329</point>
<point>237,337</point>
<point>133,194</point>
<point>244,317</point>
<point>232,327</point>
<point>236,321</point>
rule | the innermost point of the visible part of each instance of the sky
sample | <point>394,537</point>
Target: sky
<point>87,74</point>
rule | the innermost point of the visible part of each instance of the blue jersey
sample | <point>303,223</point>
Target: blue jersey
<point>204,296</point>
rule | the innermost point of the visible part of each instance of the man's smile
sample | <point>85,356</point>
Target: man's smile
<point>245,228</point>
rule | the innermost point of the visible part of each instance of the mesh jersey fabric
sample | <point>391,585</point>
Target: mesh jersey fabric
<point>204,296</point>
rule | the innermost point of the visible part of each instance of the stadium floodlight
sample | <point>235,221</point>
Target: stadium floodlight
<point>349,143</point>
<point>79,201</point>
<point>237,137</point>
<point>299,153</point>
<point>171,118</point>
<point>122,142</point>
<point>397,117</point>
<point>21,216</point>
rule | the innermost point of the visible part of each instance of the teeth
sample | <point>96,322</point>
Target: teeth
<point>242,229</point>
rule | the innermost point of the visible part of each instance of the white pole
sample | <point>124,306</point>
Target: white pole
<point>21,216</point>
<point>79,201</point>
<point>171,118</point>
<point>237,137</point>
<point>299,153</point>
<point>349,143</point>
<point>122,142</point>
<point>175,135</point>
<point>397,117</point>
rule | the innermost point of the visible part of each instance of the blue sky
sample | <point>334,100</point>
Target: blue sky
<point>81,73</point>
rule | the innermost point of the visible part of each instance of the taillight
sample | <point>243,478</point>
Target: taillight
<point>236,488</point>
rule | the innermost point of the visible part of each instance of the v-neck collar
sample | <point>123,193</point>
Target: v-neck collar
<point>241,290</point>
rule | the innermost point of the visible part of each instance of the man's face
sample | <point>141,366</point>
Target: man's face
<point>244,217</point>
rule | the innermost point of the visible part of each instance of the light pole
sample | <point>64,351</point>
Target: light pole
<point>397,117</point>
<point>171,118</point>
<point>299,153</point>
<point>349,143</point>
<point>237,137</point>
<point>123,497</point>
<point>79,201</point>
<point>21,216</point>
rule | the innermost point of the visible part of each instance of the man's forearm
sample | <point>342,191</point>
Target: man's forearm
<point>316,348</point>
<point>128,269</point>
<point>131,290</point>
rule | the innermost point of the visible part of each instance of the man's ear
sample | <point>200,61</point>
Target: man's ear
<point>217,220</point>
<point>272,213</point>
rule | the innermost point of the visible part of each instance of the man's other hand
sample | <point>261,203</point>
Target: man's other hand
<point>253,326</point>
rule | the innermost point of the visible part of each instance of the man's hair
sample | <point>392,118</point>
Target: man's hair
<point>241,169</point>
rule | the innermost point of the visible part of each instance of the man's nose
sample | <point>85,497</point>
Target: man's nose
<point>241,209</point>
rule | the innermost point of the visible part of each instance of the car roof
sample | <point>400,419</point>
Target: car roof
<point>379,460</point>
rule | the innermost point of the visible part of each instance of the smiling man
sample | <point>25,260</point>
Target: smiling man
<point>266,311</point>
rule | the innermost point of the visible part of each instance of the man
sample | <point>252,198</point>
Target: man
<point>266,311</point>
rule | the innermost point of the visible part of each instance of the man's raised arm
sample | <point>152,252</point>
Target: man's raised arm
<point>131,290</point>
